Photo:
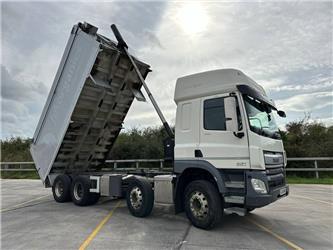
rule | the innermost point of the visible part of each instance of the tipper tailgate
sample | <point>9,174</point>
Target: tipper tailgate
<point>92,92</point>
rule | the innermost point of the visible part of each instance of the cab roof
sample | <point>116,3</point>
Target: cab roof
<point>211,83</point>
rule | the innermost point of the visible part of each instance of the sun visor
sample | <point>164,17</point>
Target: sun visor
<point>247,90</point>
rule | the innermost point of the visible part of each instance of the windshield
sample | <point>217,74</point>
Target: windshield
<point>261,118</point>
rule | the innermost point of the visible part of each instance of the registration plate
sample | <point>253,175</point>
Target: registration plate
<point>283,191</point>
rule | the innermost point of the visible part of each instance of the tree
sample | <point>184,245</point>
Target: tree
<point>308,139</point>
<point>15,149</point>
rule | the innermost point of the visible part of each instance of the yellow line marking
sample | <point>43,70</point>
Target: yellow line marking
<point>23,203</point>
<point>308,198</point>
<point>98,228</point>
<point>284,240</point>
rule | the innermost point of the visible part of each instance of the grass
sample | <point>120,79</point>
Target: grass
<point>304,180</point>
<point>19,175</point>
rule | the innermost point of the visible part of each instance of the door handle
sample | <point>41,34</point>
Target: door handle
<point>198,153</point>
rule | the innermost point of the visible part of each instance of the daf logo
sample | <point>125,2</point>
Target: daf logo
<point>241,164</point>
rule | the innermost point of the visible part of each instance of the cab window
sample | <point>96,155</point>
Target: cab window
<point>214,115</point>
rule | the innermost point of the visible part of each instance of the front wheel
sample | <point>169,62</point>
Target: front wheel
<point>203,204</point>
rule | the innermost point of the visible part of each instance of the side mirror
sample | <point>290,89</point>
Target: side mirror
<point>281,113</point>
<point>231,121</point>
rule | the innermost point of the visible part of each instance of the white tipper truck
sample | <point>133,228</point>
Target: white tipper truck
<point>227,154</point>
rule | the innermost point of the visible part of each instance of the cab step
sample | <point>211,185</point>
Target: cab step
<point>235,210</point>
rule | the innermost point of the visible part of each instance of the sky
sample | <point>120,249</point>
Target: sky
<point>284,46</point>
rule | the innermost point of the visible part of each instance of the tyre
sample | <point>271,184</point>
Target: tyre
<point>94,197</point>
<point>80,193</point>
<point>203,204</point>
<point>249,210</point>
<point>61,188</point>
<point>140,198</point>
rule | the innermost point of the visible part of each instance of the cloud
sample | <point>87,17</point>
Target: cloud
<point>19,112</point>
<point>307,102</point>
<point>284,46</point>
<point>326,120</point>
<point>305,87</point>
<point>306,80</point>
<point>274,43</point>
<point>32,50</point>
<point>17,90</point>
<point>17,119</point>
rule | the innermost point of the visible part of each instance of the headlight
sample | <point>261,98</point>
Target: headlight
<point>259,186</point>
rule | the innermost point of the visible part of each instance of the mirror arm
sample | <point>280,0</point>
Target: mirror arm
<point>239,134</point>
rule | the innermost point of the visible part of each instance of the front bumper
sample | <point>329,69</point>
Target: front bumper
<point>260,200</point>
<point>254,199</point>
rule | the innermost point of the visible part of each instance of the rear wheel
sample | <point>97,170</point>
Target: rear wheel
<point>140,198</point>
<point>61,188</point>
<point>80,193</point>
<point>203,205</point>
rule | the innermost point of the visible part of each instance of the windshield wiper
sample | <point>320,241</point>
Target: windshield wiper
<point>269,117</point>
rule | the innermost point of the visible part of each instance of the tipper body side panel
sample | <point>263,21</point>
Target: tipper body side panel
<point>92,92</point>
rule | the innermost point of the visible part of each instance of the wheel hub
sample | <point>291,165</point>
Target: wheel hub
<point>59,188</point>
<point>199,204</point>
<point>136,197</point>
<point>78,191</point>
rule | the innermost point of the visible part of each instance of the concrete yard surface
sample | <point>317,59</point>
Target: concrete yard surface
<point>31,219</point>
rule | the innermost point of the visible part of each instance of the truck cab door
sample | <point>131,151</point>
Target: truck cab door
<point>219,146</point>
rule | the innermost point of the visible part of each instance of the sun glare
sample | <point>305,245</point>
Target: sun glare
<point>192,17</point>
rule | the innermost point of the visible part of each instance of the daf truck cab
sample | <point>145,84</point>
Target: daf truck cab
<point>226,154</point>
<point>226,135</point>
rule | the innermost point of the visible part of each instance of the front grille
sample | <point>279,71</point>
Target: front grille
<point>275,177</point>
<point>273,158</point>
